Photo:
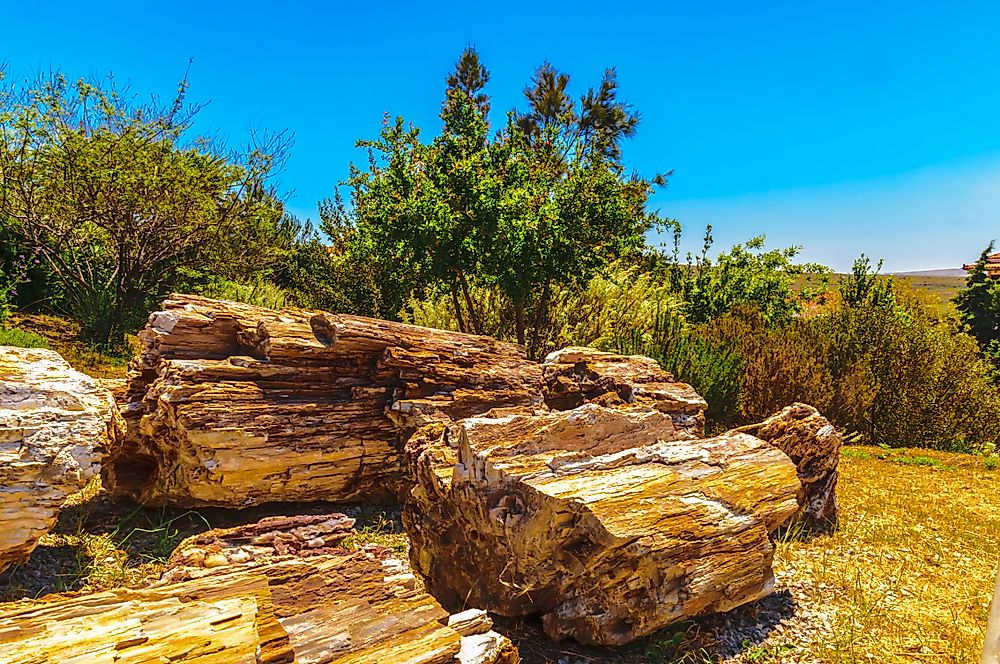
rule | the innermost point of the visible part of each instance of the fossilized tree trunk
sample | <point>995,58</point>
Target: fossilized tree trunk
<point>280,590</point>
<point>813,444</point>
<point>236,405</point>
<point>55,424</point>
<point>610,522</point>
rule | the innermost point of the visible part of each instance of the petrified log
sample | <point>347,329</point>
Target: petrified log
<point>236,405</point>
<point>227,620</point>
<point>814,445</point>
<point>337,605</point>
<point>574,376</point>
<point>55,424</point>
<point>609,522</point>
<point>276,591</point>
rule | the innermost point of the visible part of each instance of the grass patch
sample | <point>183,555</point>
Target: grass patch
<point>851,453</point>
<point>381,531</point>
<point>909,572</point>
<point>62,335</point>
<point>22,338</point>
<point>921,460</point>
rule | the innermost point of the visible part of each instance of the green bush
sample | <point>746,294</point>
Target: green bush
<point>22,338</point>
<point>713,368</point>
<point>624,297</point>
<point>780,364</point>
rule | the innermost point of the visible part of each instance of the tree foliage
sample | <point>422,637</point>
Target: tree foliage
<point>120,203</point>
<point>539,204</point>
<point>744,275</point>
<point>978,305</point>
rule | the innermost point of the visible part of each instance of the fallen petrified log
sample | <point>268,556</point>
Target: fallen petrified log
<point>338,605</point>
<point>209,621</point>
<point>280,590</point>
<point>813,444</point>
<point>55,424</point>
<point>235,405</point>
<point>609,522</point>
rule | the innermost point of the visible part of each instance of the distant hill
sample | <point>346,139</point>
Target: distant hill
<point>946,272</point>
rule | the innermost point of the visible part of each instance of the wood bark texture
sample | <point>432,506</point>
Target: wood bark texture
<point>235,405</point>
<point>55,425</point>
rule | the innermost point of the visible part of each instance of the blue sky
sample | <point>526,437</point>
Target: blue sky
<point>844,127</point>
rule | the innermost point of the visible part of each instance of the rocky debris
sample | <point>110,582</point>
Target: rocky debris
<point>609,522</point>
<point>235,405</point>
<point>337,605</point>
<point>55,425</point>
<point>276,591</point>
<point>262,541</point>
<point>813,444</point>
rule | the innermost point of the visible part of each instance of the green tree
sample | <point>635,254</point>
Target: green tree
<point>541,203</point>
<point>119,202</point>
<point>978,305</point>
<point>746,275</point>
<point>864,286</point>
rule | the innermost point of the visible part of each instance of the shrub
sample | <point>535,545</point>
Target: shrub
<point>781,364</point>
<point>625,297</point>
<point>903,379</point>
<point>713,368</point>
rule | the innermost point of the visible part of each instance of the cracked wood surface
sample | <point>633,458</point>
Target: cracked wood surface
<point>610,522</point>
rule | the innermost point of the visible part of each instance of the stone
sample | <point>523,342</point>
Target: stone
<point>610,522</point>
<point>226,620</point>
<point>55,425</point>
<point>813,444</point>
<point>574,376</point>
<point>278,598</point>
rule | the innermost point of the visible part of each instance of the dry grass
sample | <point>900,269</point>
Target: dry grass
<point>909,573</point>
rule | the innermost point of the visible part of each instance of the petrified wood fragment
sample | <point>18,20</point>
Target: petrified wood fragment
<point>228,620</point>
<point>55,424</point>
<point>272,592</point>
<point>338,605</point>
<point>574,376</point>
<point>814,445</point>
<point>236,405</point>
<point>610,523</point>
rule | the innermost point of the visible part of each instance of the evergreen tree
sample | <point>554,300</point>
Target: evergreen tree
<point>979,306</point>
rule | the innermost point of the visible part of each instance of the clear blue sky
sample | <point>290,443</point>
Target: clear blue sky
<point>841,126</point>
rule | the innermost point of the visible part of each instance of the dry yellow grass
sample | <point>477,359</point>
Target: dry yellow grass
<point>908,575</point>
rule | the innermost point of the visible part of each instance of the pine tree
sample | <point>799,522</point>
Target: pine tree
<point>979,304</point>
